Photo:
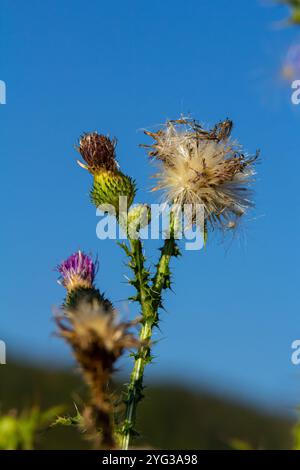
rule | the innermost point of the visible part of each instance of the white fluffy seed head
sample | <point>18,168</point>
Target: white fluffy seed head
<point>203,167</point>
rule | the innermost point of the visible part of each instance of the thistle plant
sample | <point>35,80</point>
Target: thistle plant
<point>89,323</point>
<point>195,166</point>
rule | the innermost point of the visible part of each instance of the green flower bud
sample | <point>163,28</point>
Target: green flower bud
<point>89,296</point>
<point>138,217</point>
<point>109,186</point>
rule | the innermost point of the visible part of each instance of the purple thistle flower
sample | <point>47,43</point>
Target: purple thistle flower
<point>77,271</point>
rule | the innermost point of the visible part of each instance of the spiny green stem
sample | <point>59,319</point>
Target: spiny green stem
<point>150,300</point>
<point>135,388</point>
<point>162,278</point>
<point>134,391</point>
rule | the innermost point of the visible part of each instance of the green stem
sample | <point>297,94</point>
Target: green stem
<point>150,300</point>
<point>135,387</point>
<point>162,279</point>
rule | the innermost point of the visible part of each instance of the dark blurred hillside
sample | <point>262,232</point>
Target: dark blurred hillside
<point>171,417</point>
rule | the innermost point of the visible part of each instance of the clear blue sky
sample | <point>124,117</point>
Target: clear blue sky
<point>117,67</point>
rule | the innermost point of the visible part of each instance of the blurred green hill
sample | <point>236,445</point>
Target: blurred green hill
<point>170,417</point>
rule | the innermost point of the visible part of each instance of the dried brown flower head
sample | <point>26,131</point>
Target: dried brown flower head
<point>97,339</point>
<point>110,183</point>
<point>98,151</point>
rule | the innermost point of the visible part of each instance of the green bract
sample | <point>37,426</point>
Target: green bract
<point>109,186</point>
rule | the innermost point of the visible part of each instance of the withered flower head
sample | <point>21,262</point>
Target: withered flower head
<point>207,167</point>
<point>110,183</point>
<point>98,151</point>
<point>94,325</point>
<point>97,339</point>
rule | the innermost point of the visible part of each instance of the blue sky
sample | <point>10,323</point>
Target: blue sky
<point>118,67</point>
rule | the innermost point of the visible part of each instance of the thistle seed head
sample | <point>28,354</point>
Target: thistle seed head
<point>94,325</point>
<point>97,339</point>
<point>198,166</point>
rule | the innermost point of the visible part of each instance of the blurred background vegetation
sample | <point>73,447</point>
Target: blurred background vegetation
<point>188,418</point>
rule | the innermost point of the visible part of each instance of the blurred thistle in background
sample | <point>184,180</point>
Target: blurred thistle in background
<point>294,6</point>
<point>291,64</point>
<point>290,68</point>
<point>90,325</point>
